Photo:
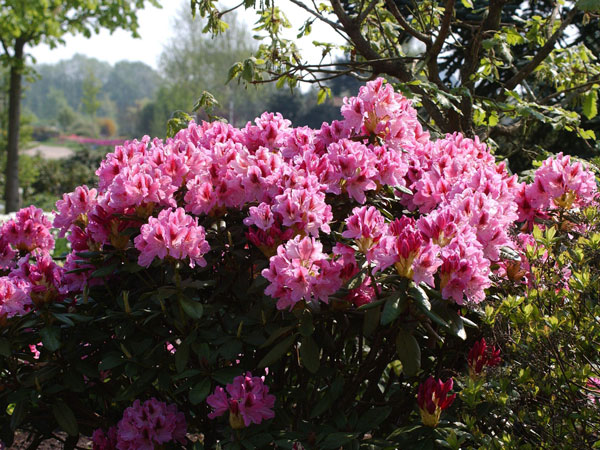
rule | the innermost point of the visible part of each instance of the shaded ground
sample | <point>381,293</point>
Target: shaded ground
<point>23,440</point>
<point>49,151</point>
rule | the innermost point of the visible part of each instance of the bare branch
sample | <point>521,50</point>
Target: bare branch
<point>5,47</point>
<point>363,15</point>
<point>436,48</point>
<point>579,87</point>
<point>404,24</point>
<point>319,16</point>
<point>526,70</point>
<point>364,48</point>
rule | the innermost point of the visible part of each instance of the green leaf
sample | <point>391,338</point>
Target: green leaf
<point>337,440</point>
<point>18,414</point>
<point>467,3</point>
<point>409,352</point>
<point>373,418</point>
<point>110,361</point>
<point>394,306</point>
<point>182,356</point>
<point>371,320</point>
<point>5,347</point>
<point>200,391</point>
<point>332,394</point>
<point>50,338</point>
<point>420,297</point>
<point>457,326</point>
<point>277,352</point>
<point>306,324</point>
<point>590,104</point>
<point>226,375</point>
<point>192,308</point>
<point>310,354</point>
<point>276,335</point>
<point>65,418</point>
<point>105,271</point>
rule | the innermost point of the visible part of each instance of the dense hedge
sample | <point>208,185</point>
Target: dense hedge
<point>288,287</point>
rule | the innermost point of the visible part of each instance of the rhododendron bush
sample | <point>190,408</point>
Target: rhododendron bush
<point>269,286</point>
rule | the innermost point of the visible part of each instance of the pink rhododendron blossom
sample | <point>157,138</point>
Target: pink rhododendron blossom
<point>14,297</point>
<point>301,270</point>
<point>173,234</point>
<point>42,276</point>
<point>149,424</point>
<point>30,229</point>
<point>367,226</point>
<point>247,399</point>
<point>74,208</point>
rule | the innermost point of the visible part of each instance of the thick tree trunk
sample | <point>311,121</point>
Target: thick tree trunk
<point>11,188</point>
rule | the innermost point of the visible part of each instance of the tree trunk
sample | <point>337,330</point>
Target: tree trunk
<point>11,188</point>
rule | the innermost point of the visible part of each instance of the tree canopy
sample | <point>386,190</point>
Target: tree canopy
<point>497,69</point>
<point>28,23</point>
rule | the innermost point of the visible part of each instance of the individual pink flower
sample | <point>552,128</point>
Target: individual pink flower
<point>301,270</point>
<point>149,424</point>
<point>304,209</point>
<point>30,229</point>
<point>366,226</point>
<point>481,356</point>
<point>362,295</point>
<point>74,208</point>
<point>247,399</point>
<point>354,165</point>
<point>173,234</point>
<point>433,398</point>
<point>464,271</point>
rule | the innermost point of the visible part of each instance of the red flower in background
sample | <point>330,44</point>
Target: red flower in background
<point>481,356</point>
<point>433,398</point>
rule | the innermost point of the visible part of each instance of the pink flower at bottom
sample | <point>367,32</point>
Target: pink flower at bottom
<point>247,399</point>
<point>146,425</point>
<point>101,441</point>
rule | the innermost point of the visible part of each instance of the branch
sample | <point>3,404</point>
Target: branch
<point>363,47</point>
<point>322,18</point>
<point>491,22</point>
<point>363,15</point>
<point>541,55</point>
<point>4,47</point>
<point>436,48</point>
<point>405,25</point>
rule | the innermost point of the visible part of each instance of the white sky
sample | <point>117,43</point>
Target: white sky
<point>156,28</point>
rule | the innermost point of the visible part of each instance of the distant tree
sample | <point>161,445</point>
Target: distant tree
<point>192,62</point>
<point>89,99</point>
<point>32,22</point>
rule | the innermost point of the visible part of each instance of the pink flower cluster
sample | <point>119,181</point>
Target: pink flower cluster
<point>173,234</point>
<point>32,277</point>
<point>247,399</point>
<point>289,184</point>
<point>301,270</point>
<point>144,426</point>
<point>558,183</point>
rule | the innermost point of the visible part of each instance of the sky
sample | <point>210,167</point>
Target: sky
<point>156,28</point>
